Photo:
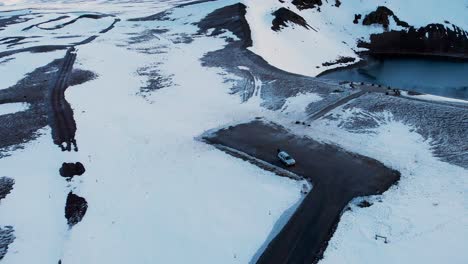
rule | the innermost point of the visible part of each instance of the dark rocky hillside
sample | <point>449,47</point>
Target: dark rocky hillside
<point>283,16</point>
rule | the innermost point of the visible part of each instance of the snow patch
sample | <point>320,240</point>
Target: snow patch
<point>11,108</point>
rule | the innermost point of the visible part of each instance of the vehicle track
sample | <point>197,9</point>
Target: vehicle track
<point>61,115</point>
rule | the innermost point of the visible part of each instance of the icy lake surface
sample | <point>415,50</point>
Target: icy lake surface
<point>449,79</point>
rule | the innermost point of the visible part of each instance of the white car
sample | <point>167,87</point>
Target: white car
<point>286,159</point>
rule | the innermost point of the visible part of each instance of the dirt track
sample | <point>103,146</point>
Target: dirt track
<point>338,177</point>
<point>63,125</point>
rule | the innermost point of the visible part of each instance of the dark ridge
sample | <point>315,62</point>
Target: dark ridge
<point>283,16</point>
<point>45,22</point>
<point>230,18</point>
<point>307,4</point>
<point>75,209</point>
<point>111,26</point>
<point>6,238</point>
<point>381,16</point>
<point>337,3</point>
<point>431,40</point>
<point>69,170</point>
<point>11,40</point>
<point>339,61</point>
<point>90,16</point>
<point>86,41</point>
<point>6,185</point>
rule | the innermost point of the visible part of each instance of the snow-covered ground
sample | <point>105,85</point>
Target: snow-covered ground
<point>155,194</point>
<point>427,209</point>
<point>334,35</point>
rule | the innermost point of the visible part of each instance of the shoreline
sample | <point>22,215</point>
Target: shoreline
<point>368,56</point>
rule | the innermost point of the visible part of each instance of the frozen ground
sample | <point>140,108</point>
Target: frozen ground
<point>155,193</point>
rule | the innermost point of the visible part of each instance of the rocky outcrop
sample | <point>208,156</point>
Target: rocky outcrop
<point>75,209</point>
<point>433,39</point>
<point>283,16</point>
<point>340,60</point>
<point>230,18</point>
<point>307,4</point>
<point>69,170</point>
<point>6,185</point>
<point>6,238</point>
<point>381,16</point>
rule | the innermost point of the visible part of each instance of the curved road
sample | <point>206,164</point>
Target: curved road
<point>338,177</point>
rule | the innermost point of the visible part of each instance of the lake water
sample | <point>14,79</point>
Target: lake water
<point>438,77</point>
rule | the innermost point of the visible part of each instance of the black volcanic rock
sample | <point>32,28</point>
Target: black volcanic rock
<point>75,209</point>
<point>431,39</point>
<point>307,4</point>
<point>381,16</point>
<point>230,18</point>
<point>340,60</point>
<point>357,17</point>
<point>283,15</point>
<point>69,170</point>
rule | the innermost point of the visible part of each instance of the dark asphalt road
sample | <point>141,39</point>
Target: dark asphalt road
<point>338,177</point>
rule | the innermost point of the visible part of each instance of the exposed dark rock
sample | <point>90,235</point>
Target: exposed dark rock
<point>307,4</point>
<point>230,18</point>
<point>381,16</point>
<point>435,39</point>
<point>357,17</point>
<point>283,16</point>
<point>155,80</point>
<point>79,76</point>
<point>69,170</point>
<point>340,60</point>
<point>45,22</point>
<point>337,3</point>
<point>75,209</point>
<point>364,204</point>
<point>6,185</point>
<point>4,22</point>
<point>6,238</point>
